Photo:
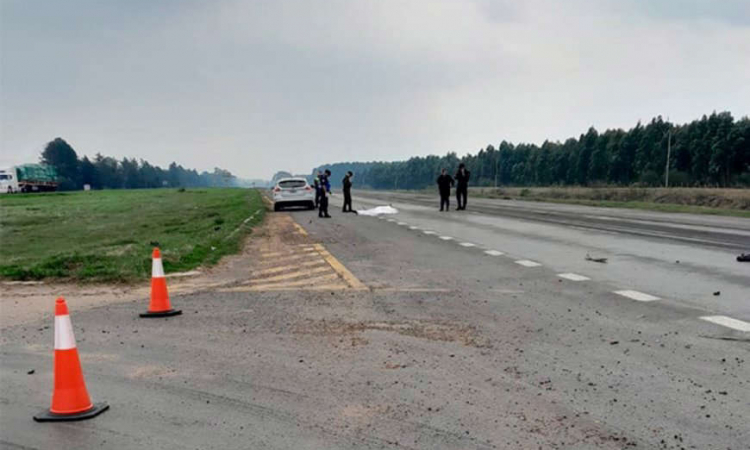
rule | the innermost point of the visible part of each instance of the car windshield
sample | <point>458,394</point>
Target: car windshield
<point>290,184</point>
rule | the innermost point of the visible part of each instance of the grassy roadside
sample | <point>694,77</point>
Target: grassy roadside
<point>723,202</point>
<point>106,236</point>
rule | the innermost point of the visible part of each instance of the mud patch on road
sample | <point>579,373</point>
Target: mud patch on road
<point>433,331</point>
<point>143,372</point>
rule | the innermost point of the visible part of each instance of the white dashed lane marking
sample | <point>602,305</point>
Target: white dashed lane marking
<point>527,263</point>
<point>573,277</point>
<point>728,322</point>
<point>635,295</point>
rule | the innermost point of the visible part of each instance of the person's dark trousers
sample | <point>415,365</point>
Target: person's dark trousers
<point>347,202</point>
<point>445,201</point>
<point>317,198</point>
<point>461,197</point>
<point>323,209</point>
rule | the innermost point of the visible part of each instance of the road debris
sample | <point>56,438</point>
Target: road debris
<point>597,260</point>
<point>745,257</point>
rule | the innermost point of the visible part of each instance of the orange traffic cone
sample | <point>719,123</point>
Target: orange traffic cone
<point>70,400</point>
<point>159,306</point>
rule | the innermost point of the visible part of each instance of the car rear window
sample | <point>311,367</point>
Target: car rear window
<point>290,184</point>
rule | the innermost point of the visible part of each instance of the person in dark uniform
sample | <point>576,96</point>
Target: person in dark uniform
<point>347,189</point>
<point>462,186</point>
<point>316,182</point>
<point>325,191</point>
<point>444,182</point>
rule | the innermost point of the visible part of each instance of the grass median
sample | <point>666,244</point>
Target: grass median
<point>107,236</point>
<point>716,201</point>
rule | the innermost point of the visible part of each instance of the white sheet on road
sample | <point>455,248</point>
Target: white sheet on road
<point>378,211</point>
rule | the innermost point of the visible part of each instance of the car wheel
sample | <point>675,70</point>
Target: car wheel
<point>311,206</point>
<point>276,207</point>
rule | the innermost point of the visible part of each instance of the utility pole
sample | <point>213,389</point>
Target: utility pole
<point>496,161</point>
<point>669,150</point>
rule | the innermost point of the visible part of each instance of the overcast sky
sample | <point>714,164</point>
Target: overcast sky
<point>260,86</point>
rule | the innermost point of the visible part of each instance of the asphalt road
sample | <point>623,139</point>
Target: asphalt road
<point>395,336</point>
<point>681,258</point>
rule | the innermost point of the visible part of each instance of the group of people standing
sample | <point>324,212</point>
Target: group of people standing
<point>323,192</point>
<point>445,182</point>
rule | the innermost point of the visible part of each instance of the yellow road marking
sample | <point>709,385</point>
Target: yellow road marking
<point>301,230</point>
<point>296,274</point>
<point>292,257</point>
<point>274,254</point>
<point>307,281</point>
<point>320,287</point>
<point>273,270</point>
<point>340,269</point>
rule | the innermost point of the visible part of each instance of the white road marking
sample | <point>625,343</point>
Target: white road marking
<point>573,277</point>
<point>728,322</point>
<point>403,224</point>
<point>391,220</point>
<point>527,263</point>
<point>446,238</point>
<point>493,253</point>
<point>429,232</point>
<point>467,244</point>
<point>635,295</point>
<point>413,228</point>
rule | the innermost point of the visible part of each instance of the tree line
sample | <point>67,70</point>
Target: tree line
<point>711,151</point>
<point>104,172</point>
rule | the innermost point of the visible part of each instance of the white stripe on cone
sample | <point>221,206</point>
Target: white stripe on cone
<point>157,269</point>
<point>64,339</point>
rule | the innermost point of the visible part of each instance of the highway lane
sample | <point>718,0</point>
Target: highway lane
<point>359,332</point>
<point>730,233</point>
<point>648,371</point>
<point>681,258</point>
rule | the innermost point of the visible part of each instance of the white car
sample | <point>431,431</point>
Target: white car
<point>293,192</point>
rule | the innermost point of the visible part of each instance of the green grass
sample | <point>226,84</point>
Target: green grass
<point>108,236</point>
<point>714,201</point>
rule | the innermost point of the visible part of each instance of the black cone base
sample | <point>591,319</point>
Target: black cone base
<point>47,416</point>
<point>167,313</point>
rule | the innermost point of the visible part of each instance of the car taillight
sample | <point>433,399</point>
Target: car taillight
<point>277,189</point>
<point>308,188</point>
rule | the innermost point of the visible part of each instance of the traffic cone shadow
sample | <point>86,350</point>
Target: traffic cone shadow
<point>70,399</point>
<point>159,306</point>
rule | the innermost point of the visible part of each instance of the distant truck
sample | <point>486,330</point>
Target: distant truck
<point>28,178</point>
